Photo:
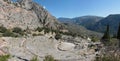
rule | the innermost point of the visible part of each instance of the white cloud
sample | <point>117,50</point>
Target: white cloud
<point>44,7</point>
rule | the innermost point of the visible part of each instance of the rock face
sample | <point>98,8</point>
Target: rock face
<point>27,15</point>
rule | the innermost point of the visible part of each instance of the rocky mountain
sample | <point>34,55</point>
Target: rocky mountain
<point>113,20</point>
<point>94,23</point>
<point>82,31</point>
<point>66,20</point>
<point>26,14</point>
<point>19,17</point>
<point>81,25</point>
<point>86,21</point>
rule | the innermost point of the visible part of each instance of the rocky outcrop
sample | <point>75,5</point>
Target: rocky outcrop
<point>26,14</point>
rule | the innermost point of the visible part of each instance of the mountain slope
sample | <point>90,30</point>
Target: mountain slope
<point>82,31</point>
<point>113,20</point>
<point>86,21</point>
<point>26,14</point>
<point>80,25</point>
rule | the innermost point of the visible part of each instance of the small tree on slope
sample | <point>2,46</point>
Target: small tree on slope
<point>118,34</point>
<point>106,36</point>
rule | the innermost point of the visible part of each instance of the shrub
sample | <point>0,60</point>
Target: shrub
<point>94,39</point>
<point>4,57</point>
<point>39,29</point>
<point>49,58</point>
<point>9,34</point>
<point>34,34</point>
<point>58,36</point>
<point>17,30</point>
<point>34,59</point>
<point>46,30</point>
<point>2,29</point>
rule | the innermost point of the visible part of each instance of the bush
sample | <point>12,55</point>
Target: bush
<point>9,34</point>
<point>4,58</point>
<point>34,34</point>
<point>58,36</point>
<point>17,30</point>
<point>94,39</point>
<point>34,59</point>
<point>39,29</point>
<point>46,30</point>
<point>2,29</point>
<point>49,58</point>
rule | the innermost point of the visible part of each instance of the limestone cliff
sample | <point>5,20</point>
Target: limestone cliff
<point>26,14</point>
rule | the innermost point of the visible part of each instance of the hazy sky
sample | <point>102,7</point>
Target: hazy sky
<point>75,8</point>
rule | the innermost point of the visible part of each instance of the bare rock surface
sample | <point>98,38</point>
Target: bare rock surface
<point>31,15</point>
<point>40,46</point>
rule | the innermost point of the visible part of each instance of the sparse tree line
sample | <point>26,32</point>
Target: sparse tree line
<point>110,42</point>
<point>107,38</point>
<point>17,32</point>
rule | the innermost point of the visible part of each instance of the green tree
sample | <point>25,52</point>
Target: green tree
<point>17,30</point>
<point>106,36</point>
<point>2,29</point>
<point>9,34</point>
<point>58,36</point>
<point>118,34</point>
<point>39,29</point>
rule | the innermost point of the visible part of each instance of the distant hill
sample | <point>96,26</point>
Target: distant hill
<point>86,21</point>
<point>113,20</point>
<point>79,25</point>
<point>96,23</point>
<point>82,31</point>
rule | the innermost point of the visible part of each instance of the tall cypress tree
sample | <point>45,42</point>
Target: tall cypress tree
<point>106,35</point>
<point>118,33</point>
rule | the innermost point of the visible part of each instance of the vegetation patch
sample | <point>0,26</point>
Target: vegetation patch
<point>110,57</point>
<point>4,57</point>
<point>15,32</point>
<point>58,36</point>
<point>34,59</point>
<point>49,58</point>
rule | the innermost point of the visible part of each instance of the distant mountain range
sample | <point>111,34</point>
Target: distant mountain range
<point>95,23</point>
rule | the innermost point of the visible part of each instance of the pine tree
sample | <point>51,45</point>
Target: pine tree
<point>106,35</point>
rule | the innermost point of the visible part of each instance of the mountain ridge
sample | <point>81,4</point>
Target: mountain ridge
<point>83,20</point>
<point>98,25</point>
<point>112,20</point>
